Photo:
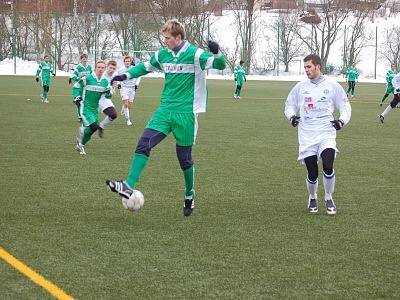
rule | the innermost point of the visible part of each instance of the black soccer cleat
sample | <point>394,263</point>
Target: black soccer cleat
<point>381,118</point>
<point>188,206</point>
<point>330,207</point>
<point>312,205</point>
<point>100,130</point>
<point>119,187</point>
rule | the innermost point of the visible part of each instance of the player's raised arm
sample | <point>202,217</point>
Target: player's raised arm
<point>212,59</point>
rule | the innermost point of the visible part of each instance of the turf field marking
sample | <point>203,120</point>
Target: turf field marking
<point>35,277</point>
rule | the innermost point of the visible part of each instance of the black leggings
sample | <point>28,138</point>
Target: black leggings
<point>395,101</point>
<point>328,156</point>
<point>352,85</point>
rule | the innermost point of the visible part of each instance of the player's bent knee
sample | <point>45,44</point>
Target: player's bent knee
<point>149,139</point>
<point>94,127</point>
<point>111,113</point>
<point>184,154</point>
<point>395,101</point>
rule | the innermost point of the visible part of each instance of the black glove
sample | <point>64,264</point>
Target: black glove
<point>107,93</point>
<point>78,101</point>
<point>338,124</point>
<point>54,74</point>
<point>136,87</point>
<point>119,86</point>
<point>397,90</point>
<point>213,47</point>
<point>245,80</point>
<point>37,79</point>
<point>119,78</point>
<point>132,63</point>
<point>294,120</point>
<point>69,81</point>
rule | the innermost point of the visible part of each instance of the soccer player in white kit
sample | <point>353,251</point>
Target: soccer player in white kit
<point>105,104</point>
<point>128,89</point>
<point>396,98</point>
<point>315,100</point>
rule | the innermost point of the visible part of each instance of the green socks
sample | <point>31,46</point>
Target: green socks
<point>139,162</point>
<point>189,180</point>
<point>87,134</point>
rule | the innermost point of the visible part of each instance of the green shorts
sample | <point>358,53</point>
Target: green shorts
<point>182,125</point>
<point>46,81</point>
<point>88,114</point>
<point>389,89</point>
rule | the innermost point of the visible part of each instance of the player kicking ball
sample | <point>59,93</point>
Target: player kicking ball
<point>88,91</point>
<point>396,98</point>
<point>128,89</point>
<point>316,99</point>
<point>183,97</point>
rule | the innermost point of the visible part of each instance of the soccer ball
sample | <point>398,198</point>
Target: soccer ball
<point>134,202</point>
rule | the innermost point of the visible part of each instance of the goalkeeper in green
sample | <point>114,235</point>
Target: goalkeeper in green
<point>183,97</point>
<point>389,86</point>
<point>87,92</point>
<point>240,77</point>
<point>352,77</point>
<point>43,73</point>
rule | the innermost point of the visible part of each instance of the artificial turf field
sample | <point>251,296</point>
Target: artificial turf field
<point>250,235</point>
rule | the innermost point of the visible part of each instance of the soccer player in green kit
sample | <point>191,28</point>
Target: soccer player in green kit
<point>239,76</point>
<point>352,76</point>
<point>183,97</point>
<point>389,86</point>
<point>88,91</point>
<point>81,70</point>
<point>43,72</point>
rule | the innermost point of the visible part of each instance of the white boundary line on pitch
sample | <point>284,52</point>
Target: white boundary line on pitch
<point>35,277</point>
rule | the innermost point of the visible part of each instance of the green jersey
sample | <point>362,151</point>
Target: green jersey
<point>80,71</point>
<point>45,69</point>
<point>91,90</point>
<point>352,74</point>
<point>239,74</point>
<point>185,88</point>
<point>389,77</point>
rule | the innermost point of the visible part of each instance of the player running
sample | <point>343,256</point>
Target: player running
<point>389,86</point>
<point>81,70</point>
<point>88,91</point>
<point>316,99</point>
<point>352,77</point>
<point>43,72</point>
<point>239,76</point>
<point>396,98</point>
<point>183,97</point>
<point>128,89</point>
<point>105,104</point>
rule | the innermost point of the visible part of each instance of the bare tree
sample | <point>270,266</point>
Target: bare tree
<point>245,18</point>
<point>391,47</point>
<point>290,45</point>
<point>356,37</point>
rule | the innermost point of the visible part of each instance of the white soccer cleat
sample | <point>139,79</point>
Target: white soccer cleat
<point>129,123</point>
<point>79,147</point>
<point>46,100</point>
<point>234,96</point>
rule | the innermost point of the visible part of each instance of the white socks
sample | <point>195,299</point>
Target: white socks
<point>329,185</point>
<point>386,111</point>
<point>107,120</point>
<point>126,113</point>
<point>312,187</point>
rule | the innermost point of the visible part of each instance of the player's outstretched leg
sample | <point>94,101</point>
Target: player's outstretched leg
<point>383,99</point>
<point>111,115</point>
<point>393,104</point>
<point>328,156</point>
<point>184,154</point>
<point>312,182</point>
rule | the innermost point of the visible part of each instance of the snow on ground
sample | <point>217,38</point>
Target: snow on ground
<point>29,68</point>
<point>24,67</point>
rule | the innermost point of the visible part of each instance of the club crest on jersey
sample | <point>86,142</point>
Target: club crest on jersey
<point>326,92</point>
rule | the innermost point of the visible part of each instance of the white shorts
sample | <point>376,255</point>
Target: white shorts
<point>105,103</point>
<point>128,93</point>
<point>313,143</point>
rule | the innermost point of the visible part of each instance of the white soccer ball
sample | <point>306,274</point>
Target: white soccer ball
<point>135,201</point>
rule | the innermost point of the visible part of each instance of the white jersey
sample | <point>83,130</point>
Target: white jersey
<point>106,102</point>
<point>316,103</point>
<point>396,83</point>
<point>109,77</point>
<point>129,83</point>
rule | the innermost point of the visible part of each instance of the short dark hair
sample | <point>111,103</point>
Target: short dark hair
<point>112,63</point>
<point>315,59</point>
<point>84,56</point>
